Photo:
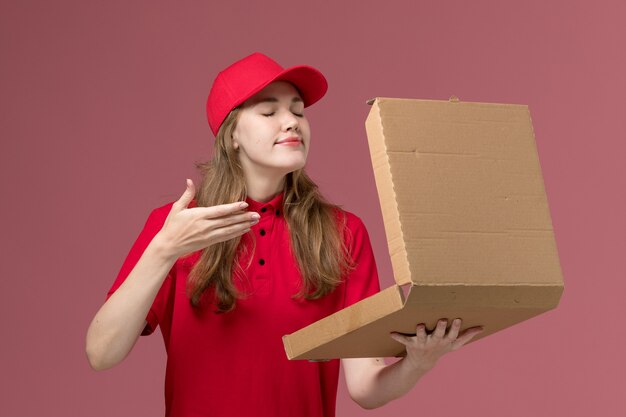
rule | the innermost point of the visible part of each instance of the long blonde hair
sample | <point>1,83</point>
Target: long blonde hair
<point>315,229</point>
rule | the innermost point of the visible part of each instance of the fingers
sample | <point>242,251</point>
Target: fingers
<point>453,333</point>
<point>465,336</point>
<point>221,210</point>
<point>400,338</point>
<point>226,221</point>
<point>247,217</point>
<point>186,198</point>
<point>420,336</point>
<point>439,334</point>
<point>218,211</point>
<point>228,232</point>
<point>440,330</point>
<point>420,333</point>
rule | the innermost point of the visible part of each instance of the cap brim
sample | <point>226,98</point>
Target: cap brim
<point>310,82</point>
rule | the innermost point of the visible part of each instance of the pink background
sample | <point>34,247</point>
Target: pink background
<point>103,116</point>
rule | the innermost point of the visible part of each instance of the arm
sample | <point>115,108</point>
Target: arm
<point>116,327</point>
<point>372,384</point>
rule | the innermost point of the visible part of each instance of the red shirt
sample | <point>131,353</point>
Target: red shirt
<point>234,364</point>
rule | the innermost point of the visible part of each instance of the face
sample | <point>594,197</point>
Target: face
<point>272,134</point>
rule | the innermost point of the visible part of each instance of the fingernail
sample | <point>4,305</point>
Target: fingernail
<point>243,205</point>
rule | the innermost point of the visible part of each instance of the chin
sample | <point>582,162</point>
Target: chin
<point>295,166</point>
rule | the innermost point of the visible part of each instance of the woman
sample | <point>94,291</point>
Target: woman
<point>254,254</point>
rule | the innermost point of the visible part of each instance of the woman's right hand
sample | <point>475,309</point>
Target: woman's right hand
<point>187,230</point>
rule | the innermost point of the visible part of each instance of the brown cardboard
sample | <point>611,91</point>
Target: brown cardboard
<point>467,225</point>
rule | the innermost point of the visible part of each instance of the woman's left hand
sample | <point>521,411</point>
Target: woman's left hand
<point>423,350</point>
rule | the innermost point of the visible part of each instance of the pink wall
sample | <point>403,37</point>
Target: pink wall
<point>103,116</point>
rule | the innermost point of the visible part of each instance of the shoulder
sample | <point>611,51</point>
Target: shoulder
<point>156,217</point>
<point>351,220</point>
<point>352,226</point>
<point>161,212</point>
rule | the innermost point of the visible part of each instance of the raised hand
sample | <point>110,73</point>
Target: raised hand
<point>187,230</point>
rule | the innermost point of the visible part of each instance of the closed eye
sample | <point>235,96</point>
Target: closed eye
<point>294,113</point>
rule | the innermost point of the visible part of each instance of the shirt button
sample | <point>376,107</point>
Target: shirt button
<point>264,209</point>
<point>262,261</point>
<point>262,232</point>
<point>277,212</point>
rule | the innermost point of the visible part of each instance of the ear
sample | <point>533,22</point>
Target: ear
<point>233,139</point>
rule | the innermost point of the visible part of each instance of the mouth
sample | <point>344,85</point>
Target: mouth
<point>293,140</point>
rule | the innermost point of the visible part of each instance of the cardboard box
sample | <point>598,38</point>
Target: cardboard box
<point>467,224</point>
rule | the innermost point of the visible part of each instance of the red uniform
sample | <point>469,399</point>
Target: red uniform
<point>234,364</point>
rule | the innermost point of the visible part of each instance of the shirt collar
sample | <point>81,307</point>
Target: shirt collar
<point>253,205</point>
<point>275,204</point>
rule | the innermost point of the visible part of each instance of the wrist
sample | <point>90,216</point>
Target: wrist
<point>162,248</point>
<point>422,366</point>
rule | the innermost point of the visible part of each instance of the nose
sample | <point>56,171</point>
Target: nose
<point>291,122</point>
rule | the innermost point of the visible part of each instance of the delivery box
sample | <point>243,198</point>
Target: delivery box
<point>467,225</point>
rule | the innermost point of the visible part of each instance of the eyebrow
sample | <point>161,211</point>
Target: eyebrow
<point>274,100</point>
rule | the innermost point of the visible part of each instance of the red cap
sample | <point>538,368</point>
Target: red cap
<point>249,75</point>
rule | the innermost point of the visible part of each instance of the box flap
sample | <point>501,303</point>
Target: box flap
<point>319,340</point>
<point>461,193</point>
<point>362,330</point>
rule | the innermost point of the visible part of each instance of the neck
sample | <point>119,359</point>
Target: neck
<point>264,188</point>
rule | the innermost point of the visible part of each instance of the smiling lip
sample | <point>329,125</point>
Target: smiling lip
<point>293,139</point>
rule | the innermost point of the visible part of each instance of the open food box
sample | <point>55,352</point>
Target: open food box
<point>467,223</point>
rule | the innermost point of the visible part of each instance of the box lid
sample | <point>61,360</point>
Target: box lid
<point>461,193</point>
